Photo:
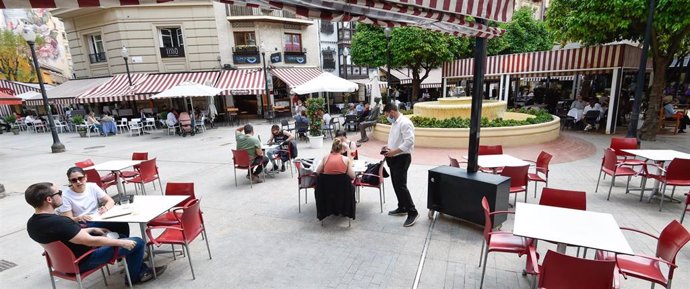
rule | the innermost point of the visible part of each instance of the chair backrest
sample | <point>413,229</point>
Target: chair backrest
<point>93,177</point>
<point>678,170</point>
<point>148,170</point>
<point>576,200</point>
<point>491,150</point>
<point>60,257</point>
<point>610,159</point>
<point>518,175</point>
<point>191,221</point>
<point>623,143</point>
<point>671,240</point>
<point>84,164</point>
<point>123,121</point>
<point>136,120</point>
<point>488,226</point>
<point>140,156</point>
<point>543,161</point>
<point>241,158</point>
<point>179,189</point>
<point>454,162</point>
<point>561,271</point>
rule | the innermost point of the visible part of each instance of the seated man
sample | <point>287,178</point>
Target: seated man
<point>278,137</point>
<point>670,112</point>
<point>371,120</point>
<point>46,227</point>
<point>365,113</point>
<point>244,136</point>
<point>595,106</point>
<point>302,124</point>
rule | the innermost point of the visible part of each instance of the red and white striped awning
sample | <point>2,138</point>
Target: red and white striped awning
<point>585,60</point>
<point>117,89</point>
<point>295,76</point>
<point>8,99</point>
<point>562,78</point>
<point>242,82</point>
<point>16,87</point>
<point>155,83</point>
<point>67,92</point>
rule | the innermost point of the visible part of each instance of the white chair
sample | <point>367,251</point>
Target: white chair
<point>135,125</point>
<point>172,129</point>
<point>60,126</point>
<point>89,127</point>
<point>122,125</point>
<point>150,123</point>
<point>37,124</point>
<point>201,124</point>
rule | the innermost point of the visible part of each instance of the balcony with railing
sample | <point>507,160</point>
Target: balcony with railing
<point>97,57</point>
<point>239,13</point>
<point>295,54</point>
<point>169,52</point>
<point>329,64</point>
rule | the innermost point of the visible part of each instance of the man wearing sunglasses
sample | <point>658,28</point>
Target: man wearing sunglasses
<point>46,227</point>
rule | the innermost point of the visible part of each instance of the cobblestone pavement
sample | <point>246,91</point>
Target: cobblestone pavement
<point>259,240</point>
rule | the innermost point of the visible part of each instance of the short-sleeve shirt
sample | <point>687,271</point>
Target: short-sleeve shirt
<point>48,228</point>
<point>249,143</point>
<point>80,204</point>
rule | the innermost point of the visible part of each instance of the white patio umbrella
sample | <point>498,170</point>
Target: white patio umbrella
<point>188,89</point>
<point>375,88</point>
<point>325,82</point>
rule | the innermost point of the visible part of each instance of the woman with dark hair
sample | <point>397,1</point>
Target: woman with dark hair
<point>81,201</point>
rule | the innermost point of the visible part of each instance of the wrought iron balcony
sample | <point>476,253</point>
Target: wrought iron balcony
<point>97,57</point>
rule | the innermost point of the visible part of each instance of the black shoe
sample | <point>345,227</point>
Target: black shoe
<point>411,219</point>
<point>282,168</point>
<point>397,212</point>
<point>148,275</point>
<point>681,131</point>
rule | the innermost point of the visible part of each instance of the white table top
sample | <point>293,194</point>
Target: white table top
<point>497,161</point>
<point>572,227</point>
<point>268,147</point>
<point>146,208</point>
<point>659,155</point>
<point>115,165</point>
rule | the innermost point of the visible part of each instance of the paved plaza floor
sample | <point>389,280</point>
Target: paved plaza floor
<point>259,240</point>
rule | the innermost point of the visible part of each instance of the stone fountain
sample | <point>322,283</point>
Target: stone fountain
<point>460,107</point>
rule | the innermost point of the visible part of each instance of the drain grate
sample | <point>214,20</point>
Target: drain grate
<point>4,265</point>
<point>94,147</point>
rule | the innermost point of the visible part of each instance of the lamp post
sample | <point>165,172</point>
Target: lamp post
<point>346,53</point>
<point>30,37</point>
<point>263,59</point>
<point>387,32</point>
<point>125,55</point>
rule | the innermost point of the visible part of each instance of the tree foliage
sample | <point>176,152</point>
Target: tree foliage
<point>598,22</point>
<point>15,57</point>
<point>523,34</point>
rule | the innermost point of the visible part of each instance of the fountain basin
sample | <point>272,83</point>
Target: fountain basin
<point>461,107</point>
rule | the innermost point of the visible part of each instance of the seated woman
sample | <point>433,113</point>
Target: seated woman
<point>92,121</point>
<point>670,113</point>
<point>349,147</point>
<point>82,200</point>
<point>335,163</point>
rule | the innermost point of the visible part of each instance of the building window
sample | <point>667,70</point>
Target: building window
<point>245,39</point>
<point>293,42</point>
<point>328,58</point>
<point>171,42</point>
<point>97,52</point>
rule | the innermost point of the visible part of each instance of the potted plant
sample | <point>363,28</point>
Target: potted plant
<point>78,121</point>
<point>11,120</point>
<point>315,115</point>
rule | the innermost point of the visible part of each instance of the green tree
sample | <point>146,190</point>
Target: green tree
<point>14,57</point>
<point>414,48</point>
<point>523,34</point>
<point>598,22</point>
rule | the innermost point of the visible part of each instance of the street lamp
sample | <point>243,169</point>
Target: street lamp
<point>387,33</point>
<point>30,37</point>
<point>346,53</point>
<point>125,55</point>
<point>263,59</point>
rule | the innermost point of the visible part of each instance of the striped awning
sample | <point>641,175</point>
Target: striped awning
<point>295,76</point>
<point>155,83</point>
<point>585,60</point>
<point>117,89</point>
<point>562,78</point>
<point>67,92</point>
<point>16,87</point>
<point>242,82</point>
<point>7,99</point>
<point>447,16</point>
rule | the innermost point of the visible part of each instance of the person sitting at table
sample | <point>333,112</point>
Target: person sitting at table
<point>171,119</point>
<point>349,147</point>
<point>335,163</point>
<point>281,138</point>
<point>108,124</point>
<point>83,200</point>
<point>302,123</point>
<point>365,113</point>
<point>578,103</point>
<point>46,227</point>
<point>93,122</point>
<point>351,109</point>
<point>592,105</point>
<point>670,112</point>
<point>244,136</point>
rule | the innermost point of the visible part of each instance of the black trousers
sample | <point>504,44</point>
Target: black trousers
<point>263,160</point>
<point>399,165</point>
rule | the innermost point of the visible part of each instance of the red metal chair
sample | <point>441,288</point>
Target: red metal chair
<point>576,200</point>
<point>669,243</point>
<point>491,150</point>
<point>619,144</point>
<point>519,181</point>
<point>611,167</point>
<point>359,183</point>
<point>559,271</point>
<point>676,175</point>
<point>63,264</point>
<point>499,241</point>
<point>94,177</point>
<point>135,157</point>
<point>191,225</point>
<point>89,163</point>
<point>302,185</point>
<point>148,173</point>
<point>542,166</point>
<point>240,160</point>
<point>687,206</point>
<point>174,189</point>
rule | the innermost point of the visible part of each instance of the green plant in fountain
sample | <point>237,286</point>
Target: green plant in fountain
<point>315,115</point>
<point>540,116</point>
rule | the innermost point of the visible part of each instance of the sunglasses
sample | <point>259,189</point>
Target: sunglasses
<point>77,179</point>
<point>58,193</point>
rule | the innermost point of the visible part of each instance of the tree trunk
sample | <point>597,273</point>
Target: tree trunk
<point>651,117</point>
<point>416,83</point>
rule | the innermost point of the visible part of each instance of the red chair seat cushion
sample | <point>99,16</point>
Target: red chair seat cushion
<point>491,170</point>
<point>166,219</point>
<point>109,178</point>
<point>507,242</point>
<point>642,268</point>
<point>632,162</point>
<point>518,189</point>
<point>621,171</point>
<point>359,183</point>
<point>129,174</point>
<point>535,178</point>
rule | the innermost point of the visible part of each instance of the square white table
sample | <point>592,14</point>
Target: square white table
<point>497,161</point>
<point>659,156</point>
<point>115,166</point>
<point>570,227</point>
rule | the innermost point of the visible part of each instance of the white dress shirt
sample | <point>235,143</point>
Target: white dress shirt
<point>401,135</point>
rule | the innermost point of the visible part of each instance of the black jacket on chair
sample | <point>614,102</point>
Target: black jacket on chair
<point>335,195</point>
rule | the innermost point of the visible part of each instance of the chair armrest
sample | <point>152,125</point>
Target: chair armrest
<point>638,231</point>
<point>501,212</point>
<point>533,261</point>
<point>85,255</point>
<point>150,236</point>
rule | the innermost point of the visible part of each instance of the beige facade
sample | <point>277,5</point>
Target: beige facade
<point>96,37</point>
